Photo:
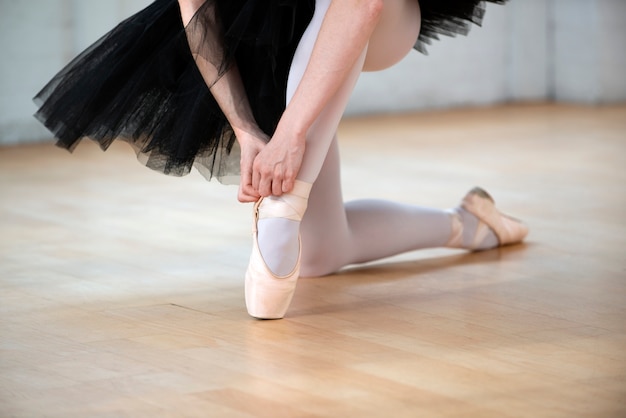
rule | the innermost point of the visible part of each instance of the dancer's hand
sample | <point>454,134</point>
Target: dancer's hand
<point>338,48</point>
<point>251,145</point>
<point>275,168</point>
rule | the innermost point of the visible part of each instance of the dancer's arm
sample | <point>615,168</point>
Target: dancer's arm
<point>232,99</point>
<point>345,31</point>
<point>230,94</point>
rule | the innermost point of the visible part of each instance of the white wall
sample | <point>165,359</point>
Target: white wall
<point>38,37</point>
<point>567,50</point>
<point>30,45</point>
<point>590,50</point>
<point>527,55</point>
<point>459,71</point>
<point>528,50</point>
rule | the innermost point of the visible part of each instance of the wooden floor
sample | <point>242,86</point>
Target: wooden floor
<point>122,289</point>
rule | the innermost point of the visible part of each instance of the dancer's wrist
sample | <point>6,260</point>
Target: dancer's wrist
<point>293,133</point>
<point>250,134</point>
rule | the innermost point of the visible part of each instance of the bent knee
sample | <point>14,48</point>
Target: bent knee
<point>395,34</point>
<point>319,263</point>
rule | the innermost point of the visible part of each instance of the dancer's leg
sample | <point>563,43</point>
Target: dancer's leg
<point>392,39</point>
<point>278,237</point>
<point>323,130</point>
<point>335,234</point>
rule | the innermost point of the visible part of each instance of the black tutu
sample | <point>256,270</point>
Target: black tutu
<point>140,83</point>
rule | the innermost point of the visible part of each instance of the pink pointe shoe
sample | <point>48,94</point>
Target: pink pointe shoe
<point>267,295</point>
<point>508,230</point>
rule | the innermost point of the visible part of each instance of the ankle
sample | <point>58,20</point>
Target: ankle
<point>290,205</point>
<point>467,231</point>
<point>456,229</point>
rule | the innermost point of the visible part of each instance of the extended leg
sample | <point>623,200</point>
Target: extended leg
<point>335,234</point>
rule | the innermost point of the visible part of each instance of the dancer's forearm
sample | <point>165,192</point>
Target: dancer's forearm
<point>226,88</point>
<point>231,97</point>
<point>188,8</point>
<point>341,39</point>
<point>344,34</point>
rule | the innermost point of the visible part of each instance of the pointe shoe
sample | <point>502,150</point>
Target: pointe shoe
<point>267,295</point>
<point>508,230</point>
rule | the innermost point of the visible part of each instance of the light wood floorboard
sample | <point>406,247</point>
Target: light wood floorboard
<point>121,290</point>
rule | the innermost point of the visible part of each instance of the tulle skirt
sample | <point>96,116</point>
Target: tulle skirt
<point>140,82</point>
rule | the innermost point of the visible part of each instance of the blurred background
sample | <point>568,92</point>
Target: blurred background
<point>530,51</point>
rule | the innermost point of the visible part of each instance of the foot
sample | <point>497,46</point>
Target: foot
<point>478,225</point>
<point>269,289</point>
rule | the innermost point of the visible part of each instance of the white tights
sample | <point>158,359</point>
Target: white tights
<point>335,234</point>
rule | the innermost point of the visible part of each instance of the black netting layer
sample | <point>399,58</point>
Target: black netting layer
<point>450,18</point>
<point>140,82</point>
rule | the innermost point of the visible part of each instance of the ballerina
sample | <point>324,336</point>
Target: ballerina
<point>258,90</point>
